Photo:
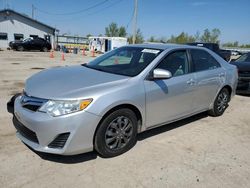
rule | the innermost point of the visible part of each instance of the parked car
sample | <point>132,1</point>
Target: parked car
<point>225,54</point>
<point>243,65</point>
<point>104,104</point>
<point>31,44</point>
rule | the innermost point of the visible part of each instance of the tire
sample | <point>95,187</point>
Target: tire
<point>20,48</point>
<point>220,103</point>
<point>45,49</point>
<point>117,133</point>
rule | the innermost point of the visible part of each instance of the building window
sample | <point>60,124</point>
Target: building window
<point>3,36</point>
<point>18,36</point>
<point>33,36</point>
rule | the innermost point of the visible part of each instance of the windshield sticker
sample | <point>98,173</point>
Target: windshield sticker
<point>150,51</point>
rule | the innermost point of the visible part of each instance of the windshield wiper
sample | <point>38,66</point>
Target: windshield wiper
<point>95,68</point>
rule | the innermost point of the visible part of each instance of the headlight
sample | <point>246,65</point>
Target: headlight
<point>58,108</point>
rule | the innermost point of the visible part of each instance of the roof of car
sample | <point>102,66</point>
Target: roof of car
<point>161,46</point>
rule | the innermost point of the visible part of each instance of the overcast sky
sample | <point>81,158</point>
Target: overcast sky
<point>159,18</point>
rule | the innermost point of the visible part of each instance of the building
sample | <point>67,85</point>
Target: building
<point>16,26</point>
<point>104,44</point>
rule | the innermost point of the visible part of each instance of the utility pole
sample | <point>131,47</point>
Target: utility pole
<point>135,21</point>
<point>33,11</point>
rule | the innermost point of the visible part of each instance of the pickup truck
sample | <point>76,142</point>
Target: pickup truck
<point>225,54</point>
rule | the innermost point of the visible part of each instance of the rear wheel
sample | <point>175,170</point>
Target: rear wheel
<point>116,133</point>
<point>220,103</point>
<point>20,48</point>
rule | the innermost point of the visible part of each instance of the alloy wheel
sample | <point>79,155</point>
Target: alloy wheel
<point>222,101</point>
<point>118,133</point>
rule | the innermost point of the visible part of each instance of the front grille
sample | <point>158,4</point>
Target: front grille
<point>24,131</point>
<point>59,141</point>
<point>32,103</point>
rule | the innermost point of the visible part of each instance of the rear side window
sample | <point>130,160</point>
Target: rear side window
<point>202,60</point>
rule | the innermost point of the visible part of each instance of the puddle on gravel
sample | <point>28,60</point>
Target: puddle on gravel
<point>37,68</point>
<point>15,63</point>
<point>19,84</point>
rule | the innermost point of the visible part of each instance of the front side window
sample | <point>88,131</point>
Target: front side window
<point>3,36</point>
<point>202,60</point>
<point>128,61</point>
<point>176,63</point>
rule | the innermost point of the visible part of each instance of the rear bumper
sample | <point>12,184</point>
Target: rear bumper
<point>79,126</point>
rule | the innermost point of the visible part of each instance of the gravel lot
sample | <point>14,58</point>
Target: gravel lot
<point>200,151</point>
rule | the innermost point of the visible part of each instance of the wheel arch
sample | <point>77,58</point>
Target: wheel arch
<point>229,88</point>
<point>122,106</point>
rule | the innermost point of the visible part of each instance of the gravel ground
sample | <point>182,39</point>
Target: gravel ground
<point>200,151</point>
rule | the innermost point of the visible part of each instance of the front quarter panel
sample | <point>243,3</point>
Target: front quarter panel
<point>132,93</point>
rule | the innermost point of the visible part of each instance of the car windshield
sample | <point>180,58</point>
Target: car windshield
<point>244,57</point>
<point>26,40</point>
<point>128,61</point>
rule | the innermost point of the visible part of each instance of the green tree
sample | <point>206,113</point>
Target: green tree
<point>211,36</point>
<point>114,31</point>
<point>138,38</point>
<point>122,32</point>
<point>152,39</point>
<point>88,35</point>
<point>181,38</point>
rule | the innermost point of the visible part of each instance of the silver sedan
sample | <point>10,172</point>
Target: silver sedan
<point>104,104</point>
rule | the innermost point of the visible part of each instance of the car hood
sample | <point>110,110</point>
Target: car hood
<point>71,82</point>
<point>242,66</point>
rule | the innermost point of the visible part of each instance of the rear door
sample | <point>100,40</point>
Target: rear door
<point>209,76</point>
<point>169,99</point>
<point>38,44</point>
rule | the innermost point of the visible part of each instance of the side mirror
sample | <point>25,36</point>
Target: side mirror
<point>161,74</point>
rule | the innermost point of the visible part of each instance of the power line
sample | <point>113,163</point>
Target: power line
<point>131,18</point>
<point>75,12</point>
<point>89,14</point>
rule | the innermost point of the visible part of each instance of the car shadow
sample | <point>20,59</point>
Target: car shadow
<point>243,95</point>
<point>80,158</point>
<point>70,159</point>
<point>171,126</point>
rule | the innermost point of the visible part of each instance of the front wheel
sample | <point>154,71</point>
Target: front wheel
<point>45,49</point>
<point>20,48</point>
<point>220,103</point>
<point>117,133</point>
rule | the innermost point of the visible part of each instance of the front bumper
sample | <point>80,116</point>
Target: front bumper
<point>81,127</point>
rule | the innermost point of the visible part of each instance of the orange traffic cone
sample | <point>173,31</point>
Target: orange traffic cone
<point>51,55</point>
<point>63,58</point>
<point>93,52</point>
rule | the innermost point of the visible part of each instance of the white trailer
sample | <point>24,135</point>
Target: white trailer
<point>104,44</point>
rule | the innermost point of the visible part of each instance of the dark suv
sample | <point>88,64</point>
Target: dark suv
<point>225,54</point>
<point>31,44</point>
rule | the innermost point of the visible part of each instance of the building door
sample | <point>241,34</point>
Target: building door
<point>47,38</point>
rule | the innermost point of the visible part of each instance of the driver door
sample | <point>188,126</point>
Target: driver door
<point>170,99</point>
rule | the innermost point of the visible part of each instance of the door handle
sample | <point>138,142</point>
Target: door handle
<point>191,82</point>
<point>221,74</point>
